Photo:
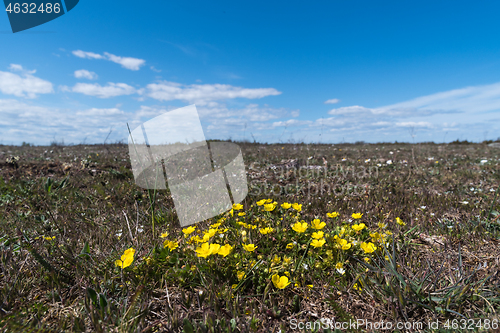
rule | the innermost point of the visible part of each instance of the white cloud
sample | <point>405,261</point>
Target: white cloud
<point>202,94</point>
<point>110,90</point>
<point>41,125</point>
<point>133,64</point>
<point>469,99</point>
<point>388,111</point>
<point>101,112</point>
<point>23,85</point>
<point>19,68</point>
<point>291,122</point>
<point>127,62</point>
<point>85,74</point>
<point>414,124</point>
<point>87,55</point>
<point>350,110</point>
<point>332,101</point>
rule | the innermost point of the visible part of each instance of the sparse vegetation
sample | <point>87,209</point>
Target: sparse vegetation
<point>393,232</point>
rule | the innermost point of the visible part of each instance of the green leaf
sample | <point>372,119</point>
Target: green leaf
<point>103,302</point>
<point>48,185</point>
<point>92,294</point>
<point>188,327</point>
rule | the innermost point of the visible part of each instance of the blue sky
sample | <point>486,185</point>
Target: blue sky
<point>326,71</point>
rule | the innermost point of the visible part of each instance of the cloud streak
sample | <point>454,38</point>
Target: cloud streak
<point>203,94</point>
<point>133,64</point>
<point>107,91</point>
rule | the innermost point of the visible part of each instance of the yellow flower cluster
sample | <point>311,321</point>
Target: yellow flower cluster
<point>266,231</point>
<point>206,250</point>
<point>332,215</point>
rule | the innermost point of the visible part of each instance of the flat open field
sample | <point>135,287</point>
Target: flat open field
<point>411,235</point>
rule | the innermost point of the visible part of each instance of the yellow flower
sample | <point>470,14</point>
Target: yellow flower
<point>241,223</point>
<point>237,206</point>
<point>382,225</point>
<point>49,238</point>
<point>310,286</point>
<point>286,205</point>
<point>287,260</point>
<point>225,250</point>
<point>318,235</point>
<point>299,227</point>
<point>344,245</point>
<point>368,247</point>
<point>334,214</point>
<point>215,225</point>
<point>269,201</point>
<point>250,226</point>
<point>266,231</point>
<point>276,260</point>
<point>240,275</point>
<point>342,231</point>
<point>366,259</point>
<point>210,232</point>
<point>356,215</point>
<point>164,235</point>
<point>242,214</point>
<point>289,246</point>
<point>358,227</point>
<point>207,249</point>
<point>126,259</point>
<point>317,224</point>
<point>297,207</point>
<point>188,230</point>
<point>355,286</point>
<point>249,247</point>
<point>280,282</point>
<point>170,244</point>
<point>400,222</point>
<point>201,240</point>
<point>318,242</point>
<point>261,202</point>
<point>376,236</point>
<point>269,207</point>
<point>287,273</point>
<point>231,212</point>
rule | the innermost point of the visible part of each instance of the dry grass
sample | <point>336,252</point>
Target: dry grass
<point>443,264</point>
